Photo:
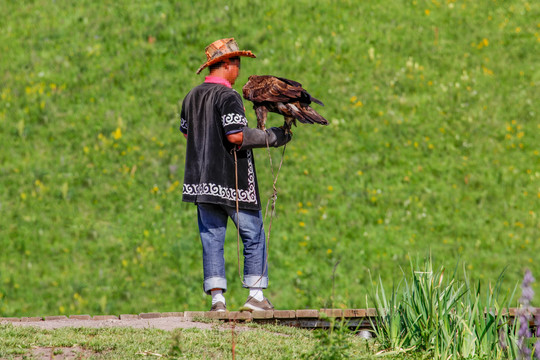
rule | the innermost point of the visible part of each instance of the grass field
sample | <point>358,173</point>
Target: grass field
<point>253,342</point>
<point>433,148</point>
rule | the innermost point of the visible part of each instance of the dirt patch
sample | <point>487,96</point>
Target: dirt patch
<point>57,353</point>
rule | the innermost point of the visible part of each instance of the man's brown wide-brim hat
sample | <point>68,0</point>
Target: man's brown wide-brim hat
<point>223,49</point>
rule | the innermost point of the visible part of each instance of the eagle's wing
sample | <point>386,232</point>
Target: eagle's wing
<point>290,82</point>
<point>269,88</point>
<point>304,95</point>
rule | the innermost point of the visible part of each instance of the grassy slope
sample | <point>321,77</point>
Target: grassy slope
<point>433,146</point>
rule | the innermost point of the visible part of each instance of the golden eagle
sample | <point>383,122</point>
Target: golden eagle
<point>281,96</point>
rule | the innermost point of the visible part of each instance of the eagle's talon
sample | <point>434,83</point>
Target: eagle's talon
<point>286,128</point>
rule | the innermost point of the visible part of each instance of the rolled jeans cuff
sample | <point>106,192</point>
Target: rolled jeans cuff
<point>255,281</point>
<point>215,282</point>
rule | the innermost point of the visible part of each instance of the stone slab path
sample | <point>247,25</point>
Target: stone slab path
<point>307,318</point>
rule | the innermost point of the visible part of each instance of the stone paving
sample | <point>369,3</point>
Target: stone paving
<point>306,318</point>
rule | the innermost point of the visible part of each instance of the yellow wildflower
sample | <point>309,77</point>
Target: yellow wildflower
<point>173,186</point>
<point>487,71</point>
<point>117,134</point>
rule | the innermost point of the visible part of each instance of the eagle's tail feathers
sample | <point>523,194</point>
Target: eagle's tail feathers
<point>298,114</point>
<point>315,100</point>
<point>314,117</point>
<point>307,115</point>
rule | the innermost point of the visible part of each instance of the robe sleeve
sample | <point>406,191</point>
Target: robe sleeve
<point>233,117</point>
<point>183,121</point>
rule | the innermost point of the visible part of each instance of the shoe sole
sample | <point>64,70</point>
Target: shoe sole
<point>249,307</point>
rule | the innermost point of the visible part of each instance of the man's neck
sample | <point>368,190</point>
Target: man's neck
<point>213,79</point>
<point>224,73</point>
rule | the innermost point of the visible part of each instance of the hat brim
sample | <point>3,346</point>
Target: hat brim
<point>245,53</point>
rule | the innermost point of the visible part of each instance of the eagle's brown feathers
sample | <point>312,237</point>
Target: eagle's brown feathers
<point>282,96</point>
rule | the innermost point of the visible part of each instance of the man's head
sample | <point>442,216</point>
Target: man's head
<point>228,69</point>
<point>221,51</point>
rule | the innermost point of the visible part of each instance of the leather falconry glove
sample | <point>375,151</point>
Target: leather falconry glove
<point>256,138</point>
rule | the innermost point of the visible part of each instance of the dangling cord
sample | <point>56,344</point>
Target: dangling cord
<point>237,216</point>
<point>272,197</point>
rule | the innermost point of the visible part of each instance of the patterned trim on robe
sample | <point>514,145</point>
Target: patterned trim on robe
<point>233,118</point>
<point>245,195</point>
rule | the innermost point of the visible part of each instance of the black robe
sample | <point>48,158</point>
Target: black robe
<point>210,112</point>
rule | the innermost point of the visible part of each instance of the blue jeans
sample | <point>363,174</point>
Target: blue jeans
<point>212,227</point>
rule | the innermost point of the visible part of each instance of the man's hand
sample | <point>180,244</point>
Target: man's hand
<point>256,138</point>
<point>281,135</point>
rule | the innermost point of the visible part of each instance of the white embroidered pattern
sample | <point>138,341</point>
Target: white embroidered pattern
<point>183,125</point>
<point>233,118</point>
<point>245,195</point>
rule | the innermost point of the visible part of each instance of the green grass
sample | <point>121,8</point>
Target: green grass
<point>435,312</point>
<point>433,146</point>
<point>260,342</point>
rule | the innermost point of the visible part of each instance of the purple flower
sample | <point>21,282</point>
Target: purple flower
<point>524,330</point>
<point>537,345</point>
<point>525,316</point>
<point>538,323</point>
<point>526,295</point>
<point>528,279</point>
<point>527,292</point>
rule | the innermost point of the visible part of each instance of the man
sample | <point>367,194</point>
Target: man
<point>214,124</point>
